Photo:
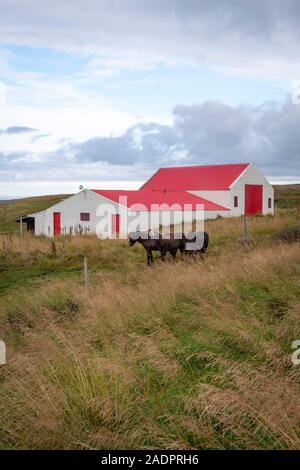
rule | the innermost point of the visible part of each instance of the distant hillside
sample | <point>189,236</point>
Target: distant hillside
<point>9,210</point>
<point>287,195</point>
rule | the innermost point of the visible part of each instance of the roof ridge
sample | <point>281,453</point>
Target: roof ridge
<point>201,166</point>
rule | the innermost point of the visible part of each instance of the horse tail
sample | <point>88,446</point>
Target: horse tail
<point>205,242</point>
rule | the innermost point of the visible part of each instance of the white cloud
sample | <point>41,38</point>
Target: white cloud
<point>72,114</point>
<point>212,132</point>
<point>59,107</point>
<point>259,38</point>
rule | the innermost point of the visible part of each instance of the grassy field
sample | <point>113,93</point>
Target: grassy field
<point>287,195</point>
<point>10,210</point>
<point>180,355</point>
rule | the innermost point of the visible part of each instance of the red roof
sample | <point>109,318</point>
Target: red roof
<point>147,198</point>
<point>193,178</point>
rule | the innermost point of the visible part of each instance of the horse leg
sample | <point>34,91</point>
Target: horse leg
<point>173,253</point>
<point>163,254</point>
<point>191,254</point>
<point>149,257</point>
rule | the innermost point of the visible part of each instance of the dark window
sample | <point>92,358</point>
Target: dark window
<point>236,201</point>
<point>269,203</point>
<point>84,216</point>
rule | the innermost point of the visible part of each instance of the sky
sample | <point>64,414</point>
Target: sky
<point>101,93</point>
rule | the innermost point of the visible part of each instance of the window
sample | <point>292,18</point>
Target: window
<point>236,201</point>
<point>85,216</point>
<point>269,203</point>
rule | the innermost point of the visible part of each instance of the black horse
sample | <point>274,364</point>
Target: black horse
<point>163,245</point>
<point>190,244</point>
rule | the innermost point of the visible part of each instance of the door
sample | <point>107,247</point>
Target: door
<point>56,223</point>
<point>31,225</point>
<point>253,199</point>
<point>115,224</point>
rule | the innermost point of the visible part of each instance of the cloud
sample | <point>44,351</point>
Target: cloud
<point>143,142</point>
<point>212,132</point>
<point>17,130</point>
<point>208,133</point>
<point>39,136</point>
<point>76,111</point>
<point>266,134</point>
<point>259,38</point>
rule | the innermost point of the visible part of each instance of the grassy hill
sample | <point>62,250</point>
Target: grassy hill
<point>180,355</point>
<point>9,210</point>
<point>287,195</point>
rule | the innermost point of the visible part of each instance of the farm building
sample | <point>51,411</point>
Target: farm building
<point>171,195</point>
<point>241,188</point>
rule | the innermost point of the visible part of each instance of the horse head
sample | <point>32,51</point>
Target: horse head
<point>133,238</point>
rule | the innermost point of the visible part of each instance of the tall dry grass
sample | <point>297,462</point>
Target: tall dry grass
<point>182,355</point>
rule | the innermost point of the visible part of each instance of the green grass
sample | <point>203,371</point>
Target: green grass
<point>186,368</point>
<point>19,268</point>
<point>287,196</point>
<point>177,356</point>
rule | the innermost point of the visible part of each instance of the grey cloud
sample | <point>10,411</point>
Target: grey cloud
<point>17,130</point>
<point>212,129</point>
<point>144,142</point>
<point>256,18</point>
<point>213,132</point>
<point>16,162</point>
<point>39,136</point>
<point>231,33</point>
<point>115,150</point>
<point>267,134</point>
<point>209,133</point>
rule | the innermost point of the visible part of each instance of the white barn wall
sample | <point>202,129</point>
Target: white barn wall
<point>97,206</point>
<point>70,209</point>
<point>154,219</point>
<point>251,175</point>
<point>39,223</point>
<point>218,197</point>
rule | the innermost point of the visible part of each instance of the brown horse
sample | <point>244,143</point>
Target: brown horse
<point>163,245</point>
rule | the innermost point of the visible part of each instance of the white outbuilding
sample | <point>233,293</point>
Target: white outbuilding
<point>171,196</point>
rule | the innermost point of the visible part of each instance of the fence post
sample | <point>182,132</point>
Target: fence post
<point>245,235</point>
<point>21,227</point>
<point>53,248</point>
<point>2,353</point>
<point>85,270</point>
